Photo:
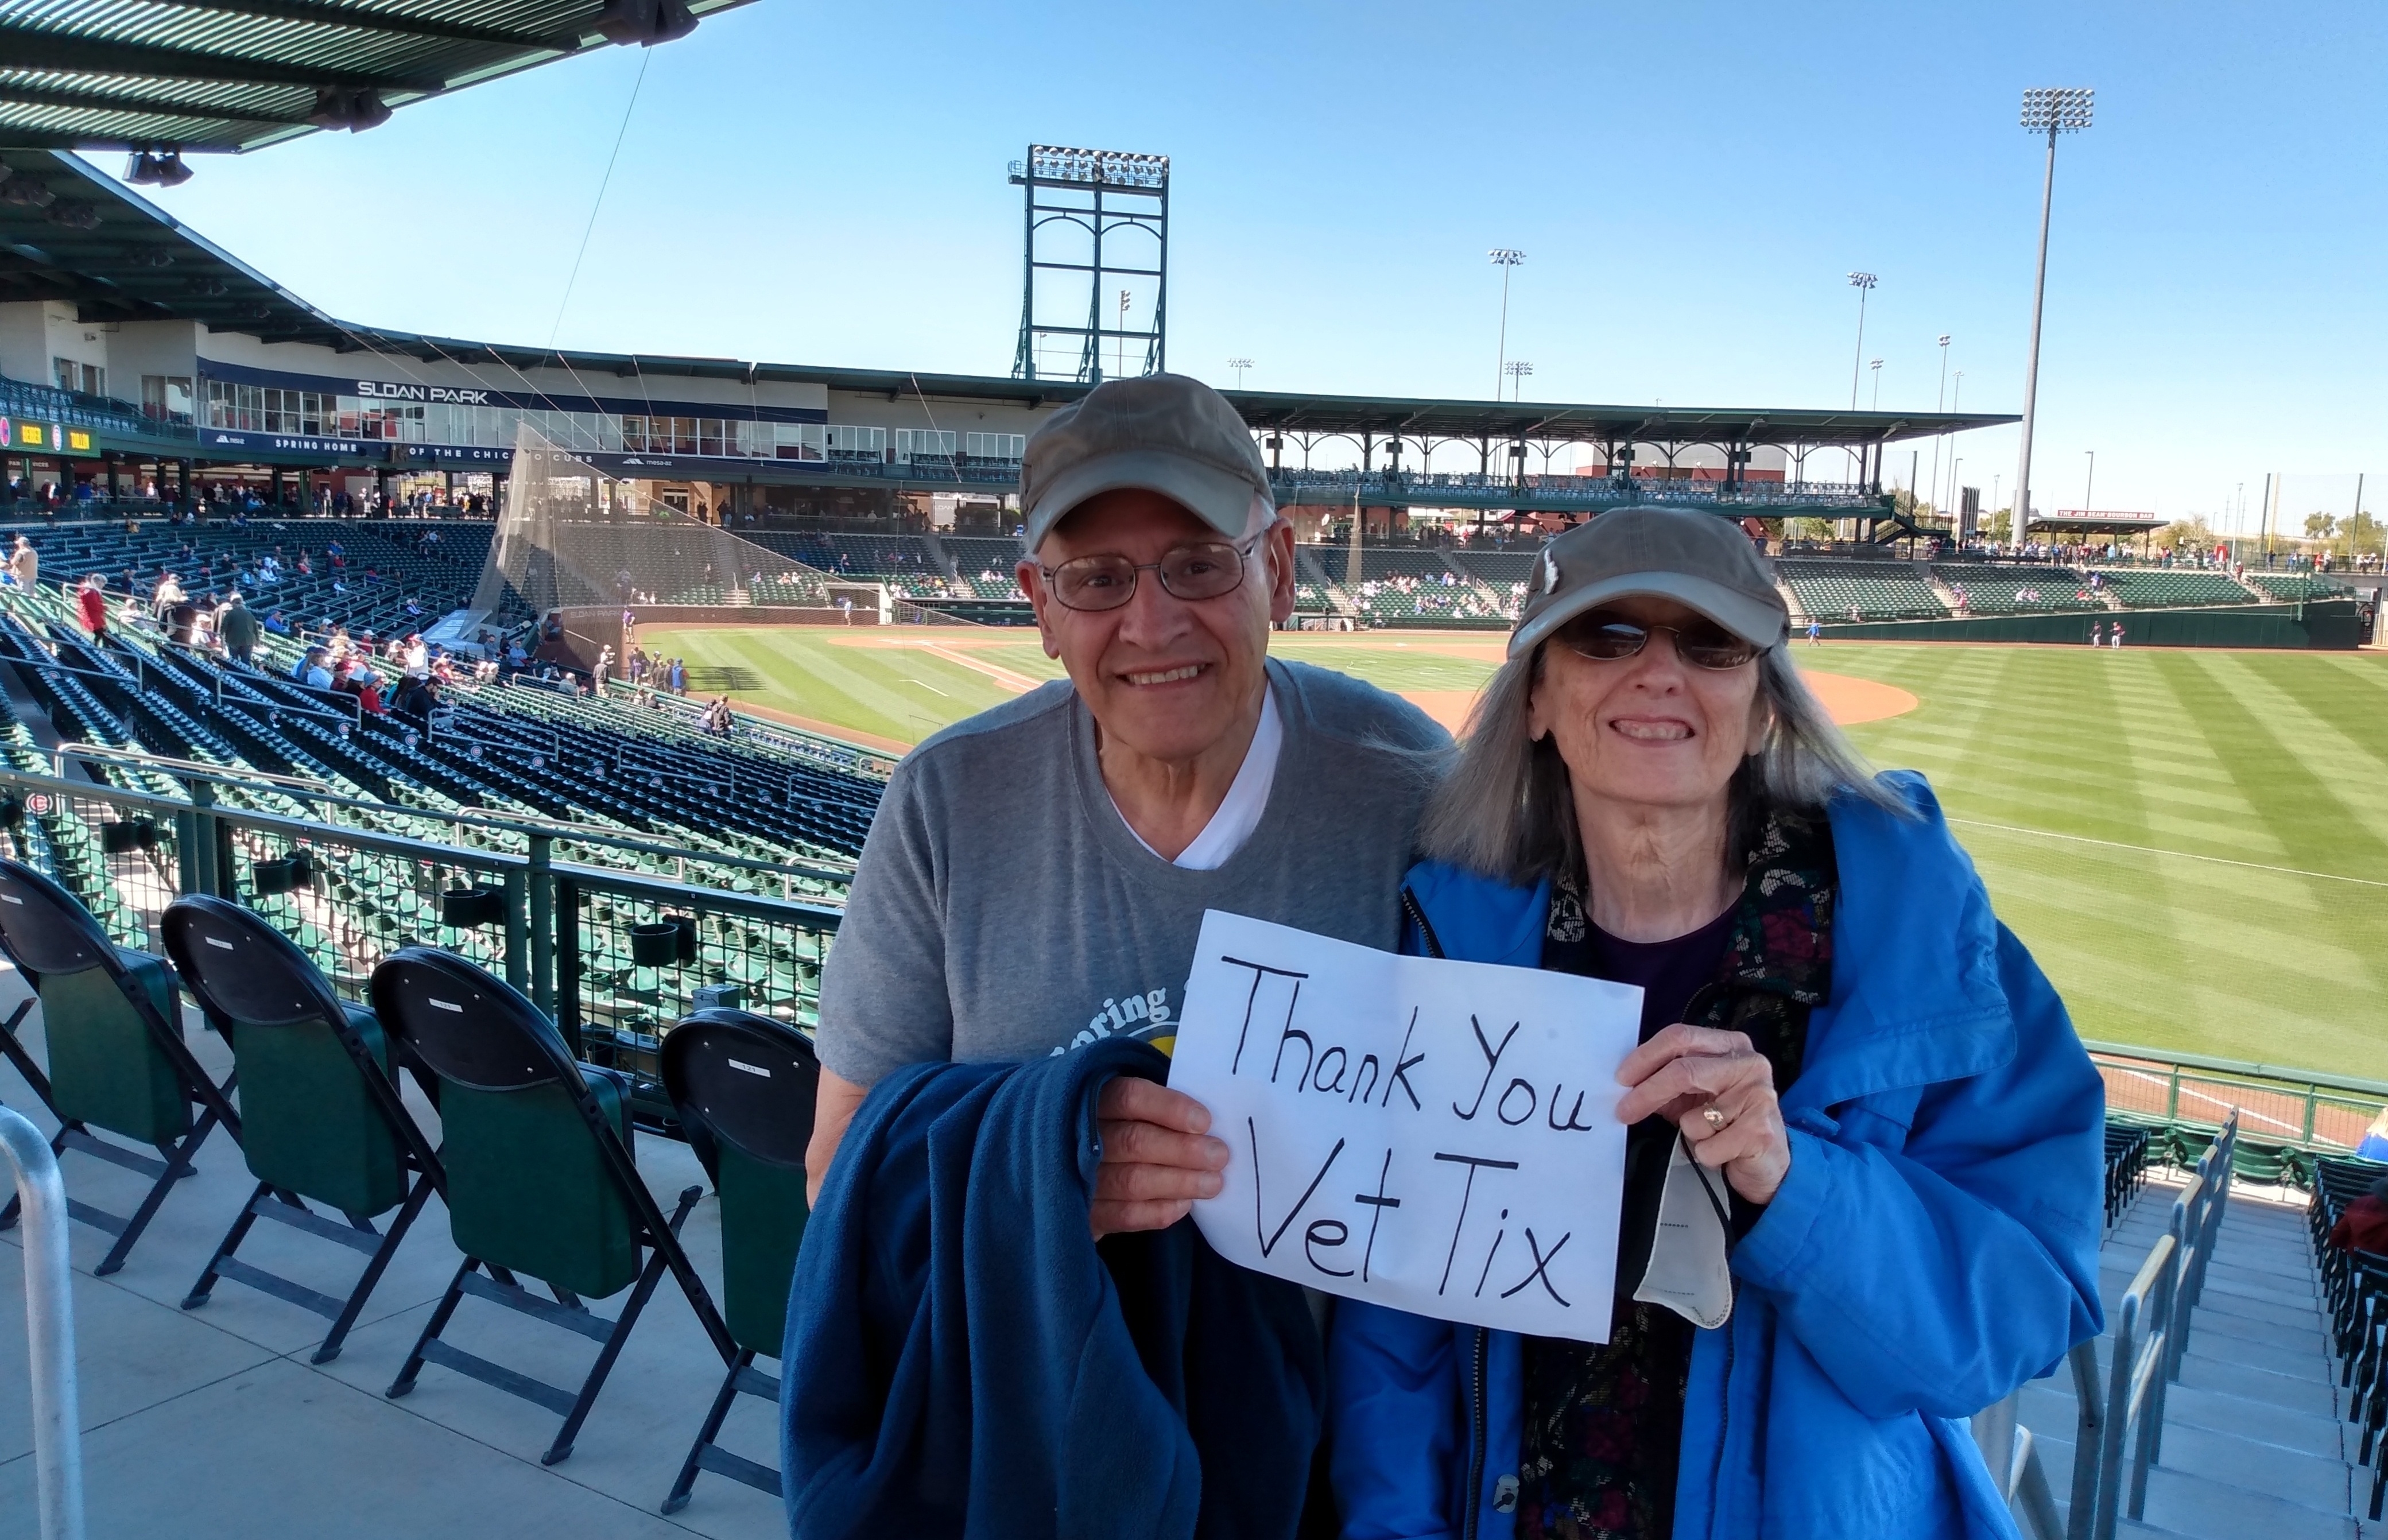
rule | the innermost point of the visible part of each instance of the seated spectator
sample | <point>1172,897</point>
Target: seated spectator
<point>2363,1224</point>
<point>278,623</point>
<point>314,670</point>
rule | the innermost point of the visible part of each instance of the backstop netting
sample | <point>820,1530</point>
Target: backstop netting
<point>568,535</point>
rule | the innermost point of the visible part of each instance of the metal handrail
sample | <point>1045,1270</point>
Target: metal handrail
<point>2152,1330</point>
<point>50,1327</point>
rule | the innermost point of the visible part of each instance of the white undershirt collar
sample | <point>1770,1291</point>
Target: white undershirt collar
<point>1240,812</point>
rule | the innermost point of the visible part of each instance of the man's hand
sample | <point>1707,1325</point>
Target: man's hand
<point>1158,1157</point>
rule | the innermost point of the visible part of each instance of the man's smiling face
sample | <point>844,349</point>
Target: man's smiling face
<point>1166,676</point>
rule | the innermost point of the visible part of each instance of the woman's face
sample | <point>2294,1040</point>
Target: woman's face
<point>1650,730</point>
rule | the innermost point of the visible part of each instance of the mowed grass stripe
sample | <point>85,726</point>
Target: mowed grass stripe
<point>2313,826</point>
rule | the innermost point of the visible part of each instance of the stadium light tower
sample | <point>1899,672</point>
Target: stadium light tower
<point>1506,259</point>
<point>1863,283</point>
<point>1940,403</point>
<point>1239,365</point>
<point>1517,369</point>
<point>1876,367</point>
<point>2050,110</point>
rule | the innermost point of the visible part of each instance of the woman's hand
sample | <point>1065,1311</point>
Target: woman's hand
<point>1158,1157</point>
<point>1720,1091</point>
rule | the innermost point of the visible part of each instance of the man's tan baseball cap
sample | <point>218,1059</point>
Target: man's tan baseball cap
<point>1702,561</point>
<point>1163,433</point>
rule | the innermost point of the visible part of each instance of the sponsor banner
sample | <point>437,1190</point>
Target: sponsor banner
<point>404,393</point>
<point>287,443</point>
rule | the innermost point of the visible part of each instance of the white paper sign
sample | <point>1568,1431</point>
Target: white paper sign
<point>1437,1136</point>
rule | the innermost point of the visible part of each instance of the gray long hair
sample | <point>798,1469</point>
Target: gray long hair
<point>1506,809</point>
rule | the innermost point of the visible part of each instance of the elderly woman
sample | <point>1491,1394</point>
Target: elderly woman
<point>1878,1093</point>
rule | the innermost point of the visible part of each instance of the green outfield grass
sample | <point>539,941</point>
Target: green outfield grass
<point>2194,844</point>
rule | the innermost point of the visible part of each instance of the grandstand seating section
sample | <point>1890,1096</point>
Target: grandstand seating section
<point>1861,590</point>
<point>2160,587</point>
<point>2020,590</point>
<point>522,750</point>
<point>2297,587</point>
<point>438,577</point>
<point>1402,585</point>
<point>2355,1287</point>
<point>985,566</point>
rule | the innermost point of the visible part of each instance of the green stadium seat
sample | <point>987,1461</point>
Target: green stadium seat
<point>542,1178</point>
<point>111,1020</point>
<point>324,1121</point>
<point>742,1088</point>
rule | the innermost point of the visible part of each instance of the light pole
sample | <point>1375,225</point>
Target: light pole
<point>2050,110</point>
<point>1863,283</point>
<point>1119,366</point>
<point>1876,367</point>
<point>1939,403</point>
<point>2088,487</point>
<point>1517,369</point>
<point>1239,365</point>
<point>1956,396</point>
<point>1506,259</point>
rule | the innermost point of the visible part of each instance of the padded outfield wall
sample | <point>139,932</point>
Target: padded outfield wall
<point>2324,624</point>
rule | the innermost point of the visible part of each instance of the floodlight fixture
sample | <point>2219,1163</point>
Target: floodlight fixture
<point>162,167</point>
<point>2049,109</point>
<point>1517,369</point>
<point>1506,258</point>
<point>1863,283</point>
<point>2054,110</point>
<point>1239,365</point>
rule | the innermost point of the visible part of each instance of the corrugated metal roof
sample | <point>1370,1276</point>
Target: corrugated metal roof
<point>235,74</point>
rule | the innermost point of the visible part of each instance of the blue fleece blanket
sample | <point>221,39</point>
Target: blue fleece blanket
<point>962,1360</point>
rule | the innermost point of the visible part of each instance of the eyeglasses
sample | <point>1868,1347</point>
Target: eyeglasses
<point>1206,569</point>
<point>1606,636</point>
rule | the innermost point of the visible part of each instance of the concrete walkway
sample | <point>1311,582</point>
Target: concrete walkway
<point>210,1424</point>
<point>2255,1444</point>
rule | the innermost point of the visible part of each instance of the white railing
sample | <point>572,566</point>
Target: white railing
<point>50,1327</point>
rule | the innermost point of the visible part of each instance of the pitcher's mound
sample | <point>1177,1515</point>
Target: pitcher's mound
<point>1847,698</point>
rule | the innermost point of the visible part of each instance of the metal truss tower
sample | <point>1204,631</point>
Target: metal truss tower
<point>1076,204</point>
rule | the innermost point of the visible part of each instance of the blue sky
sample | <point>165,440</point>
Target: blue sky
<point>1691,184</point>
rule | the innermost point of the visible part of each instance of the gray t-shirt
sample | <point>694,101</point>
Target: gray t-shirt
<point>1004,910</point>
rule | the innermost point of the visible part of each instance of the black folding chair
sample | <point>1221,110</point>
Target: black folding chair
<point>322,1116</point>
<point>541,1178</point>
<point>742,1088</point>
<point>112,1023</point>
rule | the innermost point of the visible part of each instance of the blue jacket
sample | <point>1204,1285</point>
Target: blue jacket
<point>960,1361</point>
<point>1934,1245</point>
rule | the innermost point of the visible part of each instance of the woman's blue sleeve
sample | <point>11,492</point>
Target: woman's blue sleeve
<point>1938,1272</point>
<point>1393,1422</point>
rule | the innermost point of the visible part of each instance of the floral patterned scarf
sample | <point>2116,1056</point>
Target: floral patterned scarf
<point>1604,1423</point>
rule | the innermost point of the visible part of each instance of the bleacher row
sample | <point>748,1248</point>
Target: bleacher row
<point>504,750</point>
<point>2355,1287</point>
<point>384,564</point>
<point>1865,591</point>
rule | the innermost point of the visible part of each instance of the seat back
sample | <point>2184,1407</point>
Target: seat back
<point>320,1113</point>
<point>107,1066</point>
<point>743,1087</point>
<point>535,1145</point>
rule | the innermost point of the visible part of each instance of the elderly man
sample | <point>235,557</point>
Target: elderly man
<point>1036,875</point>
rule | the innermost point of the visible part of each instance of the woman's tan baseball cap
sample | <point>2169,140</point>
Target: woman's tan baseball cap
<point>1703,561</point>
<point>1164,433</point>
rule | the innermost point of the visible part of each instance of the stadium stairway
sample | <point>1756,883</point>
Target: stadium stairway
<point>2255,1441</point>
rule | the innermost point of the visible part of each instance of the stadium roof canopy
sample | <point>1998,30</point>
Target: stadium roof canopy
<point>2088,523</point>
<point>235,74</point>
<point>71,232</point>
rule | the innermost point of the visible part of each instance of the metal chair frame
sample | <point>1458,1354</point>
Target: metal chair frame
<point>22,885</point>
<point>704,1136</point>
<point>315,1001</point>
<point>489,1281</point>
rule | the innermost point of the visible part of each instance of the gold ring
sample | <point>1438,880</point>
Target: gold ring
<point>1715,1118</point>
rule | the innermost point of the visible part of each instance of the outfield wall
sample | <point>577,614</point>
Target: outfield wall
<point>2322,624</point>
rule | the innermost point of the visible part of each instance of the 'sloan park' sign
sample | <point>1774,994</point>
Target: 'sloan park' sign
<point>1437,1136</point>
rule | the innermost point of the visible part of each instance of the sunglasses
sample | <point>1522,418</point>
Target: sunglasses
<point>1605,636</point>
<point>1205,569</point>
